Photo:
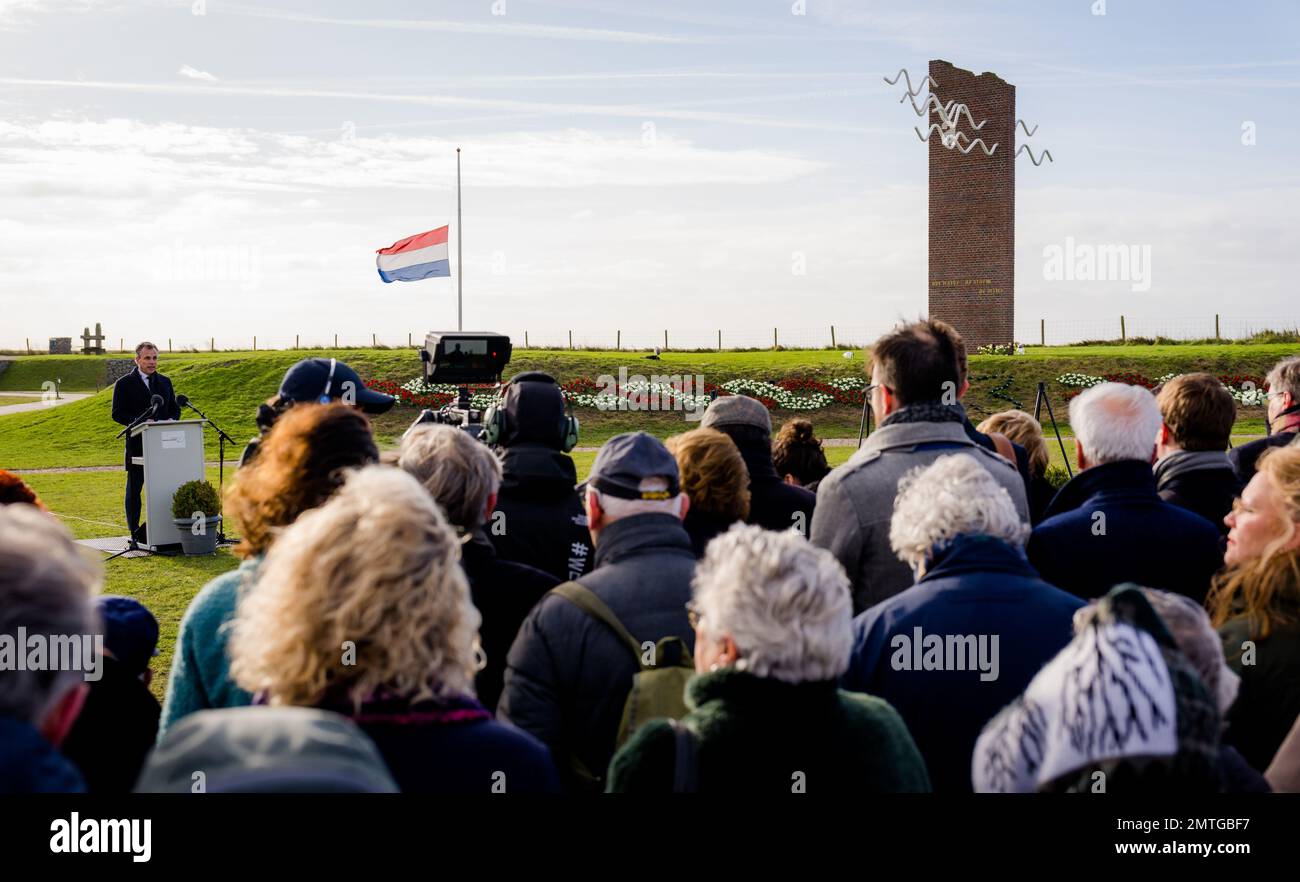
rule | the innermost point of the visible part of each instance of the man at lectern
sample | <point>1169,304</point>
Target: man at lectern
<point>133,397</point>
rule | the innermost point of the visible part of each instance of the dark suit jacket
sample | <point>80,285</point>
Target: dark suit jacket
<point>131,398</point>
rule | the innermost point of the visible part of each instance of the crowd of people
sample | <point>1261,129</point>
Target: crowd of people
<point>718,612</point>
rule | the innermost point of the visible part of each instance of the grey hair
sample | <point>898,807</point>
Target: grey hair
<point>952,496</point>
<point>1114,422</point>
<point>47,588</point>
<point>616,507</point>
<point>785,602</point>
<point>459,472</point>
<point>1190,626</point>
<point>1285,377</point>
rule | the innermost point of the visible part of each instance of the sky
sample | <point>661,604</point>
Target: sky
<point>202,169</point>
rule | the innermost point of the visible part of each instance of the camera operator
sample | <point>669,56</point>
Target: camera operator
<point>315,381</point>
<point>539,517</point>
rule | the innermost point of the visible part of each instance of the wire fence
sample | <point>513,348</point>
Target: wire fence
<point>1044,331</point>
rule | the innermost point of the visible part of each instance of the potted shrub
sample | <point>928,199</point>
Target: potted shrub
<point>196,511</point>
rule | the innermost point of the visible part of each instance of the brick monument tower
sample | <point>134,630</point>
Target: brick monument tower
<point>973,208</point>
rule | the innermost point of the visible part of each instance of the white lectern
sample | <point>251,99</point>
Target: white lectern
<point>173,454</point>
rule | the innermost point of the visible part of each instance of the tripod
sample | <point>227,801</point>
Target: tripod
<point>222,438</point>
<point>1040,398</point>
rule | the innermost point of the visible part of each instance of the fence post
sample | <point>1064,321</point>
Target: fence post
<point>295,341</point>
<point>336,341</point>
<point>618,339</point>
<point>254,342</point>
<point>29,345</point>
<point>121,345</point>
<point>212,344</point>
<point>719,339</point>
<point>1216,327</point>
<point>774,343</point>
<point>832,336</point>
<point>1042,332</point>
<point>570,339</point>
<point>665,339</point>
<point>408,339</point>
<point>374,341</point>
<point>169,344</point>
<point>526,340</point>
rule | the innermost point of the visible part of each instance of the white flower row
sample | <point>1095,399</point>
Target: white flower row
<point>1247,397</point>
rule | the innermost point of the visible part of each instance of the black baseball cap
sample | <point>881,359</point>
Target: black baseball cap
<point>628,459</point>
<point>130,631</point>
<point>326,379</point>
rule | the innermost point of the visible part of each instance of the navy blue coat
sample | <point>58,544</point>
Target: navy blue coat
<point>977,586</point>
<point>1140,539</point>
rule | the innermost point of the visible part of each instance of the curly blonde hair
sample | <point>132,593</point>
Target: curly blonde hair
<point>375,569</point>
<point>714,476</point>
<point>1022,429</point>
<point>1266,591</point>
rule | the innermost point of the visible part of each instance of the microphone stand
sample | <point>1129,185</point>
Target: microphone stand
<point>150,411</point>
<point>222,438</point>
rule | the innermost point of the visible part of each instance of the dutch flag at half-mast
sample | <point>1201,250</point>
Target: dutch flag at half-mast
<point>422,256</point>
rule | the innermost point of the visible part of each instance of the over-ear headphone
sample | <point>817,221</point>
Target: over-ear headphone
<point>329,381</point>
<point>495,423</point>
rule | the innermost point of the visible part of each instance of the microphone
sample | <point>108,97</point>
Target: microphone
<point>154,403</point>
<point>182,401</point>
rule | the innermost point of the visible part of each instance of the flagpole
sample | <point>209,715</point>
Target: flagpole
<point>460,264</point>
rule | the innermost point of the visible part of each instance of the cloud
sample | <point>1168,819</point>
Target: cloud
<point>194,74</point>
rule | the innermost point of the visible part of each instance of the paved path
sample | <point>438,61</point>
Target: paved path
<point>230,463</point>
<point>38,400</point>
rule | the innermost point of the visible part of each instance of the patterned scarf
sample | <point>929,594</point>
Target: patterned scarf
<point>926,412</point>
<point>1120,707</point>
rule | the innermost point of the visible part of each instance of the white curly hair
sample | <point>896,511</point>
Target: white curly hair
<point>785,603</point>
<point>951,497</point>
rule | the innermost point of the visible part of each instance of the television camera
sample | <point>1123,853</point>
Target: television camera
<point>462,358</point>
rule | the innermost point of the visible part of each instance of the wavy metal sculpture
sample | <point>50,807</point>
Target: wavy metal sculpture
<point>953,139</point>
<point>931,103</point>
<point>1045,155</point>
<point>907,78</point>
<point>1023,125</point>
<point>955,113</point>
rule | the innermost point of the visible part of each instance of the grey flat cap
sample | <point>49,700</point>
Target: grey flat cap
<point>737,410</point>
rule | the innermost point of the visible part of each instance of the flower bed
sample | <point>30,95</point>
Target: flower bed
<point>585,392</point>
<point>1246,390</point>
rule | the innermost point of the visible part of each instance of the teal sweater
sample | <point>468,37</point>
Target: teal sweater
<point>760,735</point>
<point>200,676</point>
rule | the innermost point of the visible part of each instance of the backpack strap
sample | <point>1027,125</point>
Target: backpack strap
<point>586,600</point>
<point>685,773</point>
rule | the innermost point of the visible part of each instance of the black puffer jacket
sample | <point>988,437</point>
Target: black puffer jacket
<point>539,519</point>
<point>568,675</point>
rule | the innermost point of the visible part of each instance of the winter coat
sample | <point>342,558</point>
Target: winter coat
<point>115,730</point>
<point>760,735</point>
<point>1108,526</point>
<point>568,675</point>
<point>977,587</point>
<point>855,502</point>
<point>1200,481</point>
